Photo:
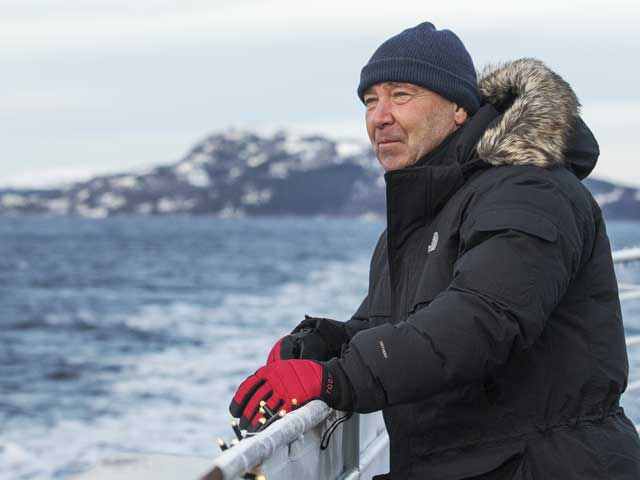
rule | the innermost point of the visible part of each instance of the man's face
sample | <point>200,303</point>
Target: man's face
<point>406,121</point>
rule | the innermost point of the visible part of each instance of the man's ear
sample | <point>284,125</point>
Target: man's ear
<point>460,116</point>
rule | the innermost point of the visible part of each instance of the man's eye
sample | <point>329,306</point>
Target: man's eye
<point>400,97</point>
<point>370,101</point>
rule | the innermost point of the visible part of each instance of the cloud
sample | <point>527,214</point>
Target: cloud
<point>76,157</point>
<point>56,24</point>
<point>612,123</point>
<point>76,73</point>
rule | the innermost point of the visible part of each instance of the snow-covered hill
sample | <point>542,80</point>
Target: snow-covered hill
<point>236,173</point>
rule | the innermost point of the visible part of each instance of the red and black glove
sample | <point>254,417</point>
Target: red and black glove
<point>313,339</point>
<point>284,349</point>
<point>281,381</point>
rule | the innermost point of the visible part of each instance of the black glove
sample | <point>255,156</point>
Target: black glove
<point>313,339</point>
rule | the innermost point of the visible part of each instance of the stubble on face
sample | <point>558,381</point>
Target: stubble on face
<point>402,133</point>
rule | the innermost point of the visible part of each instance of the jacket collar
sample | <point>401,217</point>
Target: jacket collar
<point>415,194</point>
<point>529,116</point>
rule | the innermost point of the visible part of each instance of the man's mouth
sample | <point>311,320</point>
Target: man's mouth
<point>387,143</point>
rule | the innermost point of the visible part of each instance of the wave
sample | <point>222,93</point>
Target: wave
<point>173,397</point>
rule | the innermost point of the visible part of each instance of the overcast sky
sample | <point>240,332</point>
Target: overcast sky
<point>100,86</point>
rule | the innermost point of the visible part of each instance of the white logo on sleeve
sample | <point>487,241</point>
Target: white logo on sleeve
<point>434,243</point>
<point>384,350</point>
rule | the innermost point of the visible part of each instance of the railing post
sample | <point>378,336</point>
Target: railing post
<point>351,448</point>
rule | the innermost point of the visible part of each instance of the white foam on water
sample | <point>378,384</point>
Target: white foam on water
<point>175,400</point>
<point>13,455</point>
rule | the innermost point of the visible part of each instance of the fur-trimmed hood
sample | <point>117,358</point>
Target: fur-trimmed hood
<point>540,120</point>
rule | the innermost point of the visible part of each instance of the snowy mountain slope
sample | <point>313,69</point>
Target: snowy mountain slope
<point>237,173</point>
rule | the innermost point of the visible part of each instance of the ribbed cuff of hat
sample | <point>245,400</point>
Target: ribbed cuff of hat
<point>425,74</point>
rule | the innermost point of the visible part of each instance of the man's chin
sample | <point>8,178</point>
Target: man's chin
<point>393,162</point>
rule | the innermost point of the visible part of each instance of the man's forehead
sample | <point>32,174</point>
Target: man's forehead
<point>393,85</point>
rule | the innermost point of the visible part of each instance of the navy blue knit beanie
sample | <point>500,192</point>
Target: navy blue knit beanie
<point>425,56</point>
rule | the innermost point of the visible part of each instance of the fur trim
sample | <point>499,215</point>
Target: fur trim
<point>534,128</point>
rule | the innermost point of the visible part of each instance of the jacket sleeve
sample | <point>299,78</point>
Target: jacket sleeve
<point>519,249</point>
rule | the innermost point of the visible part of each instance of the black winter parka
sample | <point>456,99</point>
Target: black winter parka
<point>491,336</point>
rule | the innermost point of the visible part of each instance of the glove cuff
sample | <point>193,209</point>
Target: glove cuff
<point>322,338</point>
<point>336,388</point>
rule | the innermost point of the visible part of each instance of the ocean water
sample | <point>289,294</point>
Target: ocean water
<point>132,333</point>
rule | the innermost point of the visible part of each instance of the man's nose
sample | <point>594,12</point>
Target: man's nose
<point>382,113</point>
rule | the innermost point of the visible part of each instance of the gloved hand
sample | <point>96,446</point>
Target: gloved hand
<point>280,381</point>
<point>313,339</point>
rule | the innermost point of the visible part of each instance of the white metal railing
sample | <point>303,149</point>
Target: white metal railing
<point>626,255</point>
<point>629,291</point>
<point>290,448</point>
<point>258,449</point>
<point>233,463</point>
<point>630,294</point>
<point>632,341</point>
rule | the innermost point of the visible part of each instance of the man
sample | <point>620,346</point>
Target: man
<point>491,336</point>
